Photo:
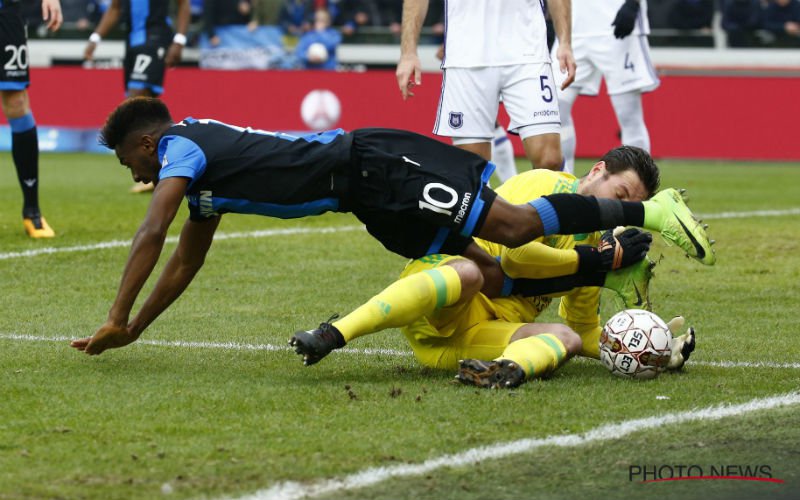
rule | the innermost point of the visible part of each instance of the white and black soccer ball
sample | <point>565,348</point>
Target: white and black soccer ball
<point>635,343</point>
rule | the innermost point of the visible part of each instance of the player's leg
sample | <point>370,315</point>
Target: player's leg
<point>566,213</point>
<point>14,81</point>
<point>478,146</point>
<point>25,152</point>
<point>535,350</point>
<point>569,141</point>
<point>630,116</point>
<point>530,98</point>
<point>468,108</point>
<point>436,186</point>
<point>432,283</point>
<point>628,72</point>
<point>503,154</point>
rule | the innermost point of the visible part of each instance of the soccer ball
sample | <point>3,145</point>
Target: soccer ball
<point>635,343</point>
<point>320,109</point>
<point>317,53</point>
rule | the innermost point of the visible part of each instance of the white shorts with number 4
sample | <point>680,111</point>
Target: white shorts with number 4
<point>625,64</point>
<point>471,96</point>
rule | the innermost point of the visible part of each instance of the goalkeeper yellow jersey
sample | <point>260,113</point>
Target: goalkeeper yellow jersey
<point>546,257</point>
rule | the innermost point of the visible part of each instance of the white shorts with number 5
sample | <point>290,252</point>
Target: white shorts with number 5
<point>471,96</point>
<point>625,64</point>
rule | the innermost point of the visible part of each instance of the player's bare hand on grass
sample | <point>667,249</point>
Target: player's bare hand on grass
<point>408,66</point>
<point>566,62</point>
<point>108,336</point>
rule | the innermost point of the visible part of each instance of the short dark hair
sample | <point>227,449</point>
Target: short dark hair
<point>135,113</point>
<point>637,159</point>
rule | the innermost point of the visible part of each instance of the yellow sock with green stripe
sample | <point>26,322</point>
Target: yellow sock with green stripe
<point>402,302</point>
<point>537,356</point>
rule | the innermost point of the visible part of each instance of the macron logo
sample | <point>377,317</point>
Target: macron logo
<point>29,182</point>
<point>164,160</point>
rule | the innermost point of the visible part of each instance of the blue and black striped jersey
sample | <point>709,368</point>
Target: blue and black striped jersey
<point>147,20</point>
<point>241,170</point>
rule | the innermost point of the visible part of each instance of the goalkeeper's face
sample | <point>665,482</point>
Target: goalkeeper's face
<point>139,154</point>
<point>625,185</point>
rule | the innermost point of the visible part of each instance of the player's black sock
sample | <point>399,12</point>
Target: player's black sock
<point>25,152</point>
<point>567,213</point>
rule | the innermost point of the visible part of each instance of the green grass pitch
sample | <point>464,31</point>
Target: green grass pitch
<point>215,405</point>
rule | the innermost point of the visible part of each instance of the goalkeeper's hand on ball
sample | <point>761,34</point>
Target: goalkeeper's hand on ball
<point>682,346</point>
<point>616,249</point>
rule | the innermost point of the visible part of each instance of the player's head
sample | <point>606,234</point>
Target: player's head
<point>133,130</point>
<point>625,173</point>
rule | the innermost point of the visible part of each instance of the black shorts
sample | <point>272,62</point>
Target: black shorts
<point>13,43</point>
<point>416,195</point>
<point>145,66</point>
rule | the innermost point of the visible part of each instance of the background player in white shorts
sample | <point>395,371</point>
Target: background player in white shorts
<point>609,40</point>
<point>494,51</point>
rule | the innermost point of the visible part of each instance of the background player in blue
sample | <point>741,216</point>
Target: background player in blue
<point>14,82</point>
<point>416,195</point>
<point>150,46</point>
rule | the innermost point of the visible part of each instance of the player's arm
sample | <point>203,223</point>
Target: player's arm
<point>145,251</point>
<point>104,27</point>
<point>561,13</point>
<point>182,18</point>
<point>196,238</point>
<point>535,260</point>
<point>51,14</point>
<point>414,12</point>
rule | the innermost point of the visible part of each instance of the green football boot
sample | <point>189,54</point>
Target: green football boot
<point>632,284</point>
<point>667,213</point>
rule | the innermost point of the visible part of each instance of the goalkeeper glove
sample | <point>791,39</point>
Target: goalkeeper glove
<point>682,347</point>
<point>617,249</point>
<point>626,18</point>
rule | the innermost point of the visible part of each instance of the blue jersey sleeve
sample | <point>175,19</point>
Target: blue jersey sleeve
<point>180,157</point>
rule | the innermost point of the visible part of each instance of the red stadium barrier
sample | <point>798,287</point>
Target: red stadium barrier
<point>737,117</point>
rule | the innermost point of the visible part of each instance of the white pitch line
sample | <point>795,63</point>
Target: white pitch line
<point>754,213</point>
<point>240,346</point>
<point>291,490</point>
<point>281,232</point>
<point>231,346</point>
<point>265,233</point>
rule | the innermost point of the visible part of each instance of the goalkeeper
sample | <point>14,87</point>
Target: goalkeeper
<point>445,319</point>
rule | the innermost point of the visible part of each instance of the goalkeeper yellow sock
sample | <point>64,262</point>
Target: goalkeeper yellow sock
<point>402,302</point>
<point>538,355</point>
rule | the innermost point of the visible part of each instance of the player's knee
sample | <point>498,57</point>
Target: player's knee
<point>15,103</point>
<point>550,159</point>
<point>470,275</point>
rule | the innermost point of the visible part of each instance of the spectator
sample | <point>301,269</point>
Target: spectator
<point>692,14</point>
<point>391,12</point>
<point>741,19</point>
<point>295,16</point>
<point>76,13</point>
<point>224,13</point>
<point>782,17</point>
<point>350,15</point>
<point>317,48</point>
<point>265,13</point>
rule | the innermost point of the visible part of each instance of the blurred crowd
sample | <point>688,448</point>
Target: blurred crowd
<point>746,22</point>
